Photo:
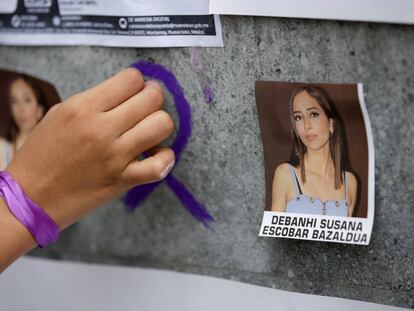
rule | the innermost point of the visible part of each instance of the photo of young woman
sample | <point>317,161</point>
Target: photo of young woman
<point>318,161</point>
<point>25,104</point>
<point>314,181</point>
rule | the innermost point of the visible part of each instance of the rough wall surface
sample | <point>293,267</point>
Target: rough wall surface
<point>223,163</point>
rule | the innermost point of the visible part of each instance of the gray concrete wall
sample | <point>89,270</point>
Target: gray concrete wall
<point>223,163</point>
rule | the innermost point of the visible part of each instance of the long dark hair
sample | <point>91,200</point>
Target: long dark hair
<point>11,127</point>
<point>336,139</point>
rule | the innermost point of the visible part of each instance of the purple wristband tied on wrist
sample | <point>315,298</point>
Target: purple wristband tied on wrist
<point>40,225</point>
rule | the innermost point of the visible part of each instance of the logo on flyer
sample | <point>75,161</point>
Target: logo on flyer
<point>37,3</point>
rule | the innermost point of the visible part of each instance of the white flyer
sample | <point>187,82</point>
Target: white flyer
<point>386,11</point>
<point>122,23</point>
<point>80,286</point>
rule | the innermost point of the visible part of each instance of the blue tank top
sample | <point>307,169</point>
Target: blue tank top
<point>305,204</point>
<point>6,154</point>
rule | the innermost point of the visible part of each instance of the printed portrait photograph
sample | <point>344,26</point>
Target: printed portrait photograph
<point>316,153</point>
<point>24,102</point>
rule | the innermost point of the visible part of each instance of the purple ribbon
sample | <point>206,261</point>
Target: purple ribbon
<point>138,194</point>
<point>43,229</point>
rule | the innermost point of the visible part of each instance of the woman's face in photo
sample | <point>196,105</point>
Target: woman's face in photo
<point>310,121</point>
<point>25,108</point>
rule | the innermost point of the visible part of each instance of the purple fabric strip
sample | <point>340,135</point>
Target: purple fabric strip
<point>43,229</point>
<point>138,194</point>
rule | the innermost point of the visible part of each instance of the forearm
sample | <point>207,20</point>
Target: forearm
<point>15,239</point>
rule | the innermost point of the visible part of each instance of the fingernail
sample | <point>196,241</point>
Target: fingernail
<point>153,83</point>
<point>167,170</point>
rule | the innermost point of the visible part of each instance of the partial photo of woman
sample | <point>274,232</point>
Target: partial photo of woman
<point>314,181</point>
<point>26,104</point>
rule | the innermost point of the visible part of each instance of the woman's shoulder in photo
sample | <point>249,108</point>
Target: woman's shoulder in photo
<point>352,183</point>
<point>4,141</point>
<point>282,173</point>
<point>5,147</point>
<point>283,168</point>
<point>351,177</point>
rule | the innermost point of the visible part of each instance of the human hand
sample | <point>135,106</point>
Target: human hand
<point>84,151</point>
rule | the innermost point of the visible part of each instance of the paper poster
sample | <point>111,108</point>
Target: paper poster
<point>80,286</point>
<point>120,23</point>
<point>397,11</point>
<point>319,162</point>
<point>25,101</point>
